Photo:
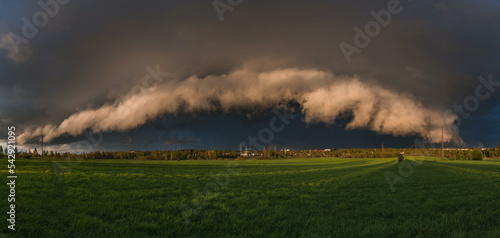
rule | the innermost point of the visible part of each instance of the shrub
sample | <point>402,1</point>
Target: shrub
<point>477,155</point>
<point>458,157</point>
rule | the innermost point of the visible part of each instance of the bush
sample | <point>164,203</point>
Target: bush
<point>477,155</point>
<point>458,157</point>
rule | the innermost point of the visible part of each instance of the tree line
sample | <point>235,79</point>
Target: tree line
<point>195,154</point>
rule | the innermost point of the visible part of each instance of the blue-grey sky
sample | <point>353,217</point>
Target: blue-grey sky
<point>208,74</point>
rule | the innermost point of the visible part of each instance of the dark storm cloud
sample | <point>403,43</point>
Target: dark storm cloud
<point>92,52</point>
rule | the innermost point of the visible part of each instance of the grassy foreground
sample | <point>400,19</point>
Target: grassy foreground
<point>323,197</point>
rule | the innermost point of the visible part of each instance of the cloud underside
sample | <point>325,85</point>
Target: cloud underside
<point>323,97</point>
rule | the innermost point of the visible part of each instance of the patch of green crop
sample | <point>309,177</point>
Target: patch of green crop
<point>319,197</point>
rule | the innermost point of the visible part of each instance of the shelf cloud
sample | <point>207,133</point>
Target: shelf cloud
<point>323,97</point>
<point>82,71</point>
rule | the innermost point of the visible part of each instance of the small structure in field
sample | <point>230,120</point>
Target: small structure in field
<point>401,156</point>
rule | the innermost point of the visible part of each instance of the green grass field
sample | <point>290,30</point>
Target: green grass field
<point>323,197</point>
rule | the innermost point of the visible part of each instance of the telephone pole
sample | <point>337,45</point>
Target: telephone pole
<point>42,143</point>
<point>442,142</point>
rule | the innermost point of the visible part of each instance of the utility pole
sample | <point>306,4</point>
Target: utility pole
<point>442,142</point>
<point>42,143</point>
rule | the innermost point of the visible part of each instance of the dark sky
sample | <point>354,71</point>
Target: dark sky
<point>149,74</point>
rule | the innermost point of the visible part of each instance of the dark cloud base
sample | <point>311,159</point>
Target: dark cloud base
<point>94,51</point>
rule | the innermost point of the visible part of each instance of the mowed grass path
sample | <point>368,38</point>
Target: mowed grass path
<point>323,197</point>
